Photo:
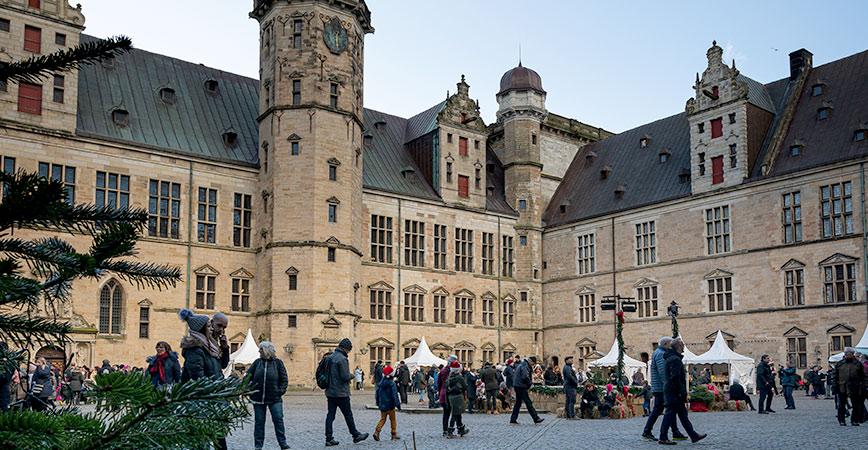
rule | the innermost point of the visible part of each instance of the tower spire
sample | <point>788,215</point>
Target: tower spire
<point>519,53</point>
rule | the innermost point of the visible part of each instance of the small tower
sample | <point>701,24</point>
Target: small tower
<point>462,137</point>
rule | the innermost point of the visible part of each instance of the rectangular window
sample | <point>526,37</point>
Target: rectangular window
<point>523,296</point>
<point>462,146</point>
<point>4,25</point>
<point>333,95</point>
<point>296,33</point>
<point>333,213</point>
<point>30,98</point>
<point>792,217</point>
<point>414,243</point>
<point>296,92</point>
<point>242,211</point>
<point>292,321</point>
<point>587,308</point>
<point>449,138</point>
<point>488,253</point>
<point>448,172</point>
<point>476,145</point>
<point>464,310</point>
<point>794,282</point>
<point>700,128</point>
<point>488,311</point>
<point>205,291</point>
<point>478,181</point>
<point>32,39</point>
<point>164,209</point>
<point>836,209</point>
<point>839,283</point>
<point>465,355</point>
<point>60,39</point>
<point>507,250</point>
<point>439,308</point>
<point>8,167</point>
<point>330,255</point>
<point>839,343</point>
<point>463,186</point>
<point>33,3</point>
<point>797,352</point>
<point>720,294</point>
<point>381,239</point>
<point>522,205</point>
<point>522,240</point>
<point>414,307</point>
<point>293,282</point>
<point>58,89</point>
<point>112,190</point>
<point>585,254</point>
<point>333,173</point>
<point>717,170</point>
<point>647,301</point>
<point>439,246</point>
<point>487,355</point>
<point>701,164</point>
<point>206,229</point>
<point>533,139</point>
<point>240,294</point>
<point>646,243</point>
<point>463,250</point>
<point>64,174</point>
<point>294,148</point>
<point>733,156</point>
<point>508,319</point>
<point>144,322</point>
<point>716,128</point>
<point>717,230</point>
<point>381,305</point>
<point>732,118</point>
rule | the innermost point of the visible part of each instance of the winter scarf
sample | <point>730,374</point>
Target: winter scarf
<point>207,343</point>
<point>157,368</point>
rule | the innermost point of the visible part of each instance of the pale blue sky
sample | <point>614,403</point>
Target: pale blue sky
<point>613,64</point>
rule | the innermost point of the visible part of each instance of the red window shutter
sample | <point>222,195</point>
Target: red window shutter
<point>462,146</point>
<point>33,3</point>
<point>463,183</point>
<point>32,39</point>
<point>715,91</point>
<point>716,128</point>
<point>717,170</point>
<point>30,98</point>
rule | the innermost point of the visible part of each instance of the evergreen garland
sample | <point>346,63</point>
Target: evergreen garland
<point>674,327</point>
<point>621,348</point>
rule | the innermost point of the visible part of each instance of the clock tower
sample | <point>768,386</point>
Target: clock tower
<point>310,156</point>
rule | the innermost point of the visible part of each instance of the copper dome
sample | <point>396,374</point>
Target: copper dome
<point>521,78</point>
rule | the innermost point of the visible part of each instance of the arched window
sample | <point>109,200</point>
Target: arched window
<point>111,301</point>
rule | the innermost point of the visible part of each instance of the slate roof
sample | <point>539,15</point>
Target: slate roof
<point>194,125</point>
<point>423,123</point>
<point>757,94</point>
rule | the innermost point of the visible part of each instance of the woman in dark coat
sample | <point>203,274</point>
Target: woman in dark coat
<point>76,380</point>
<point>164,368</point>
<point>268,379</point>
<point>590,399</point>
<point>41,386</point>
<point>202,354</point>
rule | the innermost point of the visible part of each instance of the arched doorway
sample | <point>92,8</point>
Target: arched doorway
<point>53,355</point>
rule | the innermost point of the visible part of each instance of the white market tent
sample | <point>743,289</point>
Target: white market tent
<point>248,353</point>
<point>689,357</point>
<point>861,347</point>
<point>611,360</point>
<point>740,366</point>
<point>423,357</point>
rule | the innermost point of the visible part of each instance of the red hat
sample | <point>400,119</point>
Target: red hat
<point>387,371</point>
<point>454,364</point>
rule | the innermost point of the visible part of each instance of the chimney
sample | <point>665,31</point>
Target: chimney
<point>799,60</point>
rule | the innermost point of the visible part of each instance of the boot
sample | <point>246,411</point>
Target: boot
<point>449,433</point>
<point>395,437</point>
<point>462,431</point>
<point>376,435</point>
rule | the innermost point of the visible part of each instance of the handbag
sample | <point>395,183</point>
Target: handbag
<point>37,389</point>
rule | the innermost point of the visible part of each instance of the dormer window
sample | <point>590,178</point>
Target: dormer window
<point>167,95</point>
<point>380,125</point>
<point>795,150</point>
<point>564,206</point>
<point>816,90</point>
<point>211,86</point>
<point>859,135</point>
<point>407,172</point>
<point>664,155</point>
<point>683,176</point>
<point>643,143</point>
<point>369,139</point>
<point>590,157</point>
<point>823,113</point>
<point>230,139</point>
<point>108,62</point>
<point>121,117</point>
<point>620,191</point>
<point>605,172</point>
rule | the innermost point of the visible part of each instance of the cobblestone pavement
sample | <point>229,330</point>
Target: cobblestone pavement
<point>811,425</point>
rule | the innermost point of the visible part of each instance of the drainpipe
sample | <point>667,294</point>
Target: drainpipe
<point>400,299</point>
<point>499,274</point>
<point>864,235</point>
<point>614,285</point>
<point>189,231</point>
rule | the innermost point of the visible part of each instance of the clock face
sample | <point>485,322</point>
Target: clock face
<point>335,36</point>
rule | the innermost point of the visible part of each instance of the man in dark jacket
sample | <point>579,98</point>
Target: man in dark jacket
<point>764,383</point>
<point>338,393</point>
<point>736,392</point>
<point>508,373</point>
<point>521,383</point>
<point>470,378</point>
<point>489,379</point>
<point>403,379</point>
<point>106,368</point>
<point>675,393</point>
<point>378,373</point>
<point>788,383</point>
<point>657,381</point>
<point>432,387</point>
<point>571,383</point>
<point>850,383</point>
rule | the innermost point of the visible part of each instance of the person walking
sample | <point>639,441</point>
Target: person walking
<point>507,376</point>
<point>338,393</point>
<point>571,383</point>
<point>422,384</point>
<point>41,387</point>
<point>403,376</point>
<point>645,393</point>
<point>788,383</point>
<point>76,382</point>
<point>358,374</point>
<point>164,368</point>
<point>521,383</point>
<point>441,390</point>
<point>490,384</point>
<point>470,378</point>
<point>850,385</point>
<point>268,379</point>
<point>764,384</point>
<point>386,399</point>
<point>675,393</point>
<point>736,392</point>
<point>456,391</point>
<point>657,382</point>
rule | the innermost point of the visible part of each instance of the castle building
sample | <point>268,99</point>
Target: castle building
<point>307,218</point>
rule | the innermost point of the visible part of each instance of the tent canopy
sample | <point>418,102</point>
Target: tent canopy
<point>720,353</point>
<point>246,354</point>
<point>611,360</point>
<point>423,357</point>
<point>689,357</point>
<point>861,347</point>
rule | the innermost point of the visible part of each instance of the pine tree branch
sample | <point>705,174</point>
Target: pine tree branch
<point>150,275</point>
<point>33,70</point>
<point>23,331</point>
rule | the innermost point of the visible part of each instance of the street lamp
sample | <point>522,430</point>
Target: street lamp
<point>620,305</point>
<point>672,311</point>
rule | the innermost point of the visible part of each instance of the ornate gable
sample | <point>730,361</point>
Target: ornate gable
<point>206,270</point>
<point>585,290</point>
<point>145,303</point>
<point>441,346</point>
<point>241,273</point>
<point>508,347</point>
<point>292,271</point>
<point>487,346</point>
<point>415,289</point>
<point>717,273</point>
<point>793,264</point>
<point>465,345</point>
<point>333,200</point>
<point>795,332</point>
<point>293,137</point>
<point>585,342</point>
<point>381,286</point>
<point>462,110</point>
<point>440,291</point>
<point>838,258</point>
<point>465,293</point>
<point>719,83</point>
<point>380,342</point>
<point>509,297</point>
<point>645,282</point>
<point>333,241</point>
<point>840,328</point>
<point>488,295</point>
<point>411,343</point>
<point>333,161</point>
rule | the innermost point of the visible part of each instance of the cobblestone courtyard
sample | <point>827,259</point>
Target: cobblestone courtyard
<point>811,425</point>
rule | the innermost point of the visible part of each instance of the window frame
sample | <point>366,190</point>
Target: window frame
<point>156,217</point>
<point>206,214</point>
<point>463,250</point>
<point>206,291</point>
<point>487,253</point>
<point>718,231</point>
<point>719,293</point>
<point>839,278</point>
<point>240,294</point>
<point>646,243</point>
<point>414,243</point>
<point>381,238</point>
<point>60,172</point>
<point>791,217</point>
<point>242,217</point>
<point>507,255</point>
<point>414,307</point>
<point>829,218</point>
<point>464,309</point>
<point>794,286</point>
<point>440,246</point>
<point>380,302</point>
<point>586,253</point>
<point>106,195</point>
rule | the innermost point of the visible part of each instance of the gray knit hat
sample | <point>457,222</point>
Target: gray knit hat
<point>195,322</point>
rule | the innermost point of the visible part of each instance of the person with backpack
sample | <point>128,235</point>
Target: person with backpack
<point>333,375</point>
<point>387,400</point>
<point>456,391</point>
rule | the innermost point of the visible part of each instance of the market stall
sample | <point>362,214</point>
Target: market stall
<point>725,365</point>
<point>245,355</point>
<point>423,357</point>
<point>611,360</point>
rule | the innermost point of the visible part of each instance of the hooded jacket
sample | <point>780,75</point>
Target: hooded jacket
<point>675,380</point>
<point>521,378</point>
<point>788,377</point>
<point>268,378</point>
<point>386,396</point>
<point>171,369</point>
<point>339,374</point>
<point>198,363</point>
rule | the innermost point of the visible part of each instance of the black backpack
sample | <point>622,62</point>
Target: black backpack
<point>322,373</point>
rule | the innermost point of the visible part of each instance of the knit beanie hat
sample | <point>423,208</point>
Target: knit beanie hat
<point>346,344</point>
<point>387,371</point>
<point>194,321</point>
<point>454,367</point>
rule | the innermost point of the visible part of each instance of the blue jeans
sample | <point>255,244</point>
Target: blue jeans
<point>276,410</point>
<point>680,411</point>
<point>570,403</point>
<point>788,397</point>
<point>344,404</point>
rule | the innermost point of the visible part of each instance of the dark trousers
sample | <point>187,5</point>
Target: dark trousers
<point>432,398</point>
<point>402,390</point>
<point>680,411</point>
<point>657,411</point>
<point>276,411</point>
<point>447,412</point>
<point>470,401</point>
<point>570,402</point>
<point>455,419</point>
<point>746,399</point>
<point>765,399</point>
<point>788,397</point>
<point>344,404</point>
<point>856,413</point>
<point>587,410</point>
<point>521,396</point>
<point>491,399</point>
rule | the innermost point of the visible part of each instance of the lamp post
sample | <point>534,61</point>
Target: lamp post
<point>672,311</point>
<point>620,305</point>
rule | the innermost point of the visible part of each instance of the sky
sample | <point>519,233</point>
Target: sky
<point>610,64</point>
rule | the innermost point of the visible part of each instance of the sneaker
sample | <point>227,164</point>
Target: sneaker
<point>666,442</point>
<point>648,437</point>
<point>284,447</point>
<point>538,420</point>
<point>332,443</point>
<point>854,424</point>
<point>678,437</point>
<point>698,438</point>
<point>360,437</point>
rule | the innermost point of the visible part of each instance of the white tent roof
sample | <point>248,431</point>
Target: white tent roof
<point>720,353</point>
<point>423,357</point>
<point>689,357</point>
<point>248,353</point>
<point>861,347</point>
<point>836,357</point>
<point>611,360</point>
